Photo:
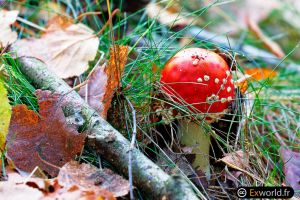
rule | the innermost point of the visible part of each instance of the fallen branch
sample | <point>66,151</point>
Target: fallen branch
<point>107,141</point>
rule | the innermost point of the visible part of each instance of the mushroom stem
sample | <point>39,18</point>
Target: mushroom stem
<point>193,135</point>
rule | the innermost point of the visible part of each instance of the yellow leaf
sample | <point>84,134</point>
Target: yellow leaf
<point>5,114</point>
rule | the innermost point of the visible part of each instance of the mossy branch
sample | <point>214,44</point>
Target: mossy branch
<point>106,140</point>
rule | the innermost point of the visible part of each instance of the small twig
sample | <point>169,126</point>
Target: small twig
<point>30,175</point>
<point>133,138</point>
<point>116,11</point>
<point>80,85</point>
<point>81,16</point>
<point>259,34</point>
<point>4,50</point>
<point>31,24</point>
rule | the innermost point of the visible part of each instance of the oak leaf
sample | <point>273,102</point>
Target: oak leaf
<point>65,47</point>
<point>86,177</point>
<point>5,114</point>
<point>104,80</point>
<point>43,139</point>
<point>7,18</point>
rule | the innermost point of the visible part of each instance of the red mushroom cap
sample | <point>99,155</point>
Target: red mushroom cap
<point>199,78</point>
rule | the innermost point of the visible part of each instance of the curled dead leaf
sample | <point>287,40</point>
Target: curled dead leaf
<point>104,80</point>
<point>43,139</point>
<point>237,160</point>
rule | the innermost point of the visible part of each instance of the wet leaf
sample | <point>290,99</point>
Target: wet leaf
<point>43,139</point>
<point>7,18</point>
<point>104,81</point>
<point>65,47</point>
<point>5,114</point>
<point>88,177</point>
<point>291,168</point>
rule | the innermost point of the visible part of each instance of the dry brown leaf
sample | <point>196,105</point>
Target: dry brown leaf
<point>88,177</point>
<point>43,139</point>
<point>7,18</point>
<point>237,159</point>
<point>104,80</point>
<point>291,168</point>
<point>66,48</point>
<point>270,44</point>
<point>166,16</point>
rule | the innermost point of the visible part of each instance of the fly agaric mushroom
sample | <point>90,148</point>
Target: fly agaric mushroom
<point>201,81</point>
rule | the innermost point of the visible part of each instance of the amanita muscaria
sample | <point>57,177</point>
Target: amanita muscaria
<point>200,80</point>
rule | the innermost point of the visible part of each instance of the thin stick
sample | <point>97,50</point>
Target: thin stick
<point>31,24</point>
<point>131,148</point>
<point>81,16</point>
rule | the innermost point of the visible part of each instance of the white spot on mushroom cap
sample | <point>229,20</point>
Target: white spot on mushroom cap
<point>195,62</point>
<point>231,81</point>
<point>224,80</point>
<point>228,89</point>
<point>223,100</point>
<point>222,87</point>
<point>229,98</point>
<point>217,80</point>
<point>206,78</point>
<point>199,80</point>
<point>227,73</point>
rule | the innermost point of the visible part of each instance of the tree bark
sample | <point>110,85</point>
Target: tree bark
<point>107,141</point>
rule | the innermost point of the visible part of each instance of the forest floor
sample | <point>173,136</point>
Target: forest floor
<point>85,113</point>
